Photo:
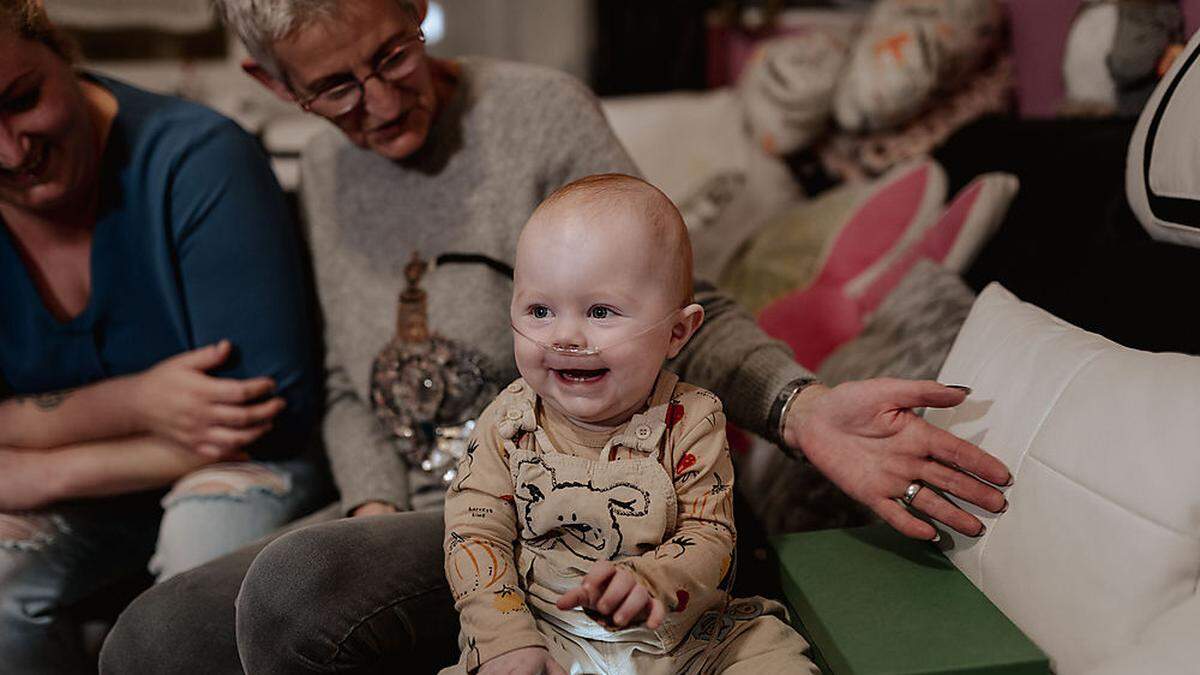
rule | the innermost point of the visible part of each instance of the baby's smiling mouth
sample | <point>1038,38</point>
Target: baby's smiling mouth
<point>579,376</point>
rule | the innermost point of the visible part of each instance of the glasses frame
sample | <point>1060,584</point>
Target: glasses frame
<point>306,102</point>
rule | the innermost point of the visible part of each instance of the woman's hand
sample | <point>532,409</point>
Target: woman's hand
<point>616,594</point>
<point>215,417</point>
<point>523,661</point>
<point>865,438</point>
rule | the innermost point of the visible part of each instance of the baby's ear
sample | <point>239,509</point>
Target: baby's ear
<point>684,328</point>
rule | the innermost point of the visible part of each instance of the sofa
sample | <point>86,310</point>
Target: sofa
<point>1071,323</point>
<point>1081,350</point>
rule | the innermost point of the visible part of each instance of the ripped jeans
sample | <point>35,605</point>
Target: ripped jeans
<point>51,560</point>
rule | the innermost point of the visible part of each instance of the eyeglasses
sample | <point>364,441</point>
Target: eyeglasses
<point>341,98</point>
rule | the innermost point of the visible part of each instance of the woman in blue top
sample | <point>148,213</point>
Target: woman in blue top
<point>153,325</point>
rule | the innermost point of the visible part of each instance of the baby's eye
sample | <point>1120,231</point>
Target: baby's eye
<point>539,312</point>
<point>599,313</point>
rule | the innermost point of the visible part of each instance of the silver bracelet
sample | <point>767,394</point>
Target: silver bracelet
<point>777,420</point>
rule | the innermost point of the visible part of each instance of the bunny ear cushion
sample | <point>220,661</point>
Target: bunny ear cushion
<point>898,224</point>
<point>815,320</point>
<point>1162,171</point>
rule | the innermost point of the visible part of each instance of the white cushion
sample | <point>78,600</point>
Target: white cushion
<point>1100,547</point>
<point>682,139</point>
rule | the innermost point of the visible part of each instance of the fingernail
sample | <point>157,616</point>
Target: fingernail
<point>937,536</point>
<point>982,530</point>
<point>1009,482</point>
<point>961,387</point>
<point>1005,507</point>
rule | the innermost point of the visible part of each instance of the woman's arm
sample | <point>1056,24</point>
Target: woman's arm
<point>370,475</point>
<point>243,277</point>
<point>51,419</point>
<point>365,467</point>
<point>175,399</point>
<point>37,479</point>
<point>733,358</point>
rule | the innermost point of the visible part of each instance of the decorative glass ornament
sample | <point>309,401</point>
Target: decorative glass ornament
<point>427,390</point>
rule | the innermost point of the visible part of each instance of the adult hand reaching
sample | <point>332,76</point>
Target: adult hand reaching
<point>865,438</point>
<point>178,400</point>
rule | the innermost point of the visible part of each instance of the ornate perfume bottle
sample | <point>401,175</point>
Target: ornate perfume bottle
<point>427,390</point>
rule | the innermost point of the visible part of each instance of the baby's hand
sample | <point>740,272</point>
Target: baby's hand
<point>615,593</point>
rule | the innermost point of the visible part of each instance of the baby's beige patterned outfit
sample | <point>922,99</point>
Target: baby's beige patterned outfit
<point>538,500</point>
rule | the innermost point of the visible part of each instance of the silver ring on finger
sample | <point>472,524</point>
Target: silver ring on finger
<point>910,492</point>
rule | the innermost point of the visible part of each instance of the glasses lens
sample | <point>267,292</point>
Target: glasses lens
<point>337,100</point>
<point>400,63</point>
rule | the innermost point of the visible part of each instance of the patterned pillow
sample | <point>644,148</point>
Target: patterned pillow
<point>910,334</point>
<point>868,259</point>
<point>787,252</point>
<point>909,51</point>
<point>788,89</point>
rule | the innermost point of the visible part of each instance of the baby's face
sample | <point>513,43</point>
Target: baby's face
<point>594,281</point>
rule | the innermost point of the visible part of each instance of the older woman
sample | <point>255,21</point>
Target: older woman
<point>153,322</point>
<point>452,156</point>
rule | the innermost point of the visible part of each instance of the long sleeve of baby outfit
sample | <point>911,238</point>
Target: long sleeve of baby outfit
<point>481,526</point>
<point>691,571</point>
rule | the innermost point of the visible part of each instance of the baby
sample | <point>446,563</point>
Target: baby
<point>590,528</point>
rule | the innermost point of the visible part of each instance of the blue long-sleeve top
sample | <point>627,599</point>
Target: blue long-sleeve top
<point>193,242</point>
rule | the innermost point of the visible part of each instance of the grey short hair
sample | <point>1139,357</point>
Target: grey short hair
<point>260,23</point>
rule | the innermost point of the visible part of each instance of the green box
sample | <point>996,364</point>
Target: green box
<point>872,601</point>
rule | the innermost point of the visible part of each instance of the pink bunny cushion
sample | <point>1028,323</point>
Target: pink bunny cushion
<point>875,250</point>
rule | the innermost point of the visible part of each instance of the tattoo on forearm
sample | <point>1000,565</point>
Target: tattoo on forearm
<point>46,401</point>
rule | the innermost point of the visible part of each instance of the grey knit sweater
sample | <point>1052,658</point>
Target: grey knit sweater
<point>510,136</point>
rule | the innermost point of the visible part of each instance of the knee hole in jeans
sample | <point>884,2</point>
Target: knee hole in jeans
<point>229,480</point>
<point>30,531</point>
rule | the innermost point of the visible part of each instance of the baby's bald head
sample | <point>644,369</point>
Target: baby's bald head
<point>626,207</point>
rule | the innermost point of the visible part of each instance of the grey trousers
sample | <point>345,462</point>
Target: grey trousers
<point>350,595</point>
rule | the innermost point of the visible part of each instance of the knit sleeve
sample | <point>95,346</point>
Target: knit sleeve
<point>731,356</point>
<point>365,465</point>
